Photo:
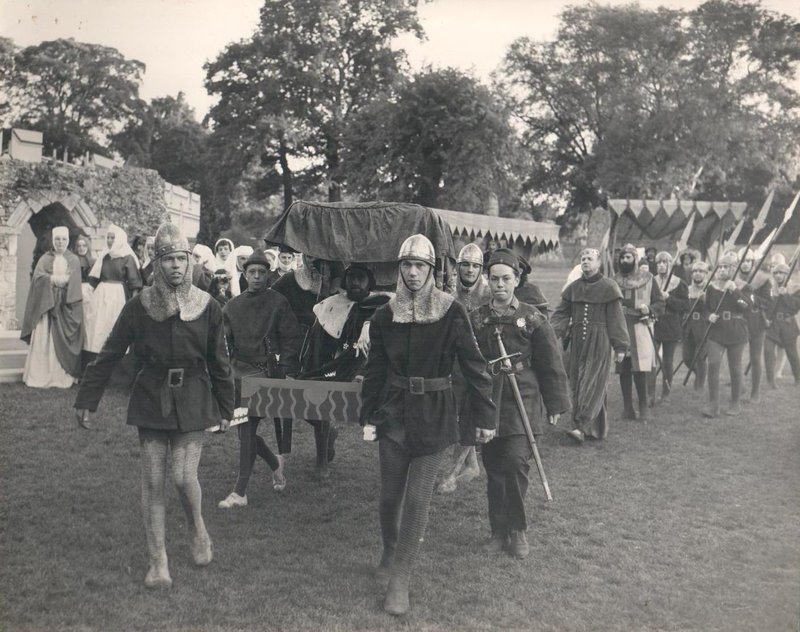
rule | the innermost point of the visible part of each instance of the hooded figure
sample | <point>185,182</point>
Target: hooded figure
<point>240,255</point>
<point>183,386</point>
<point>407,393</point>
<point>115,278</point>
<point>53,321</point>
<point>227,260</point>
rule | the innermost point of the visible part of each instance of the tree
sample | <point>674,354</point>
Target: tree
<point>312,64</point>
<point>444,141</point>
<point>166,137</point>
<point>73,92</point>
<point>633,103</point>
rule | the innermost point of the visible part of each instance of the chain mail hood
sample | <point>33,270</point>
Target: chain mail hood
<point>426,305</point>
<point>162,300</point>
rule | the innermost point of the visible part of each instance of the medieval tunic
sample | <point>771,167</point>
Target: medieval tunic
<point>260,326</point>
<point>668,327</point>
<point>783,308</point>
<point>696,323</point>
<point>539,370</point>
<point>53,322</point>
<point>196,346</point>
<point>638,288</point>
<point>758,294</point>
<point>406,348</point>
<point>731,328</point>
<point>540,376</point>
<point>119,279</point>
<point>590,314</point>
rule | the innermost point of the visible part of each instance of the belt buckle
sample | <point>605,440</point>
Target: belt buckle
<point>696,316</point>
<point>416,385</point>
<point>175,378</point>
<point>726,315</point>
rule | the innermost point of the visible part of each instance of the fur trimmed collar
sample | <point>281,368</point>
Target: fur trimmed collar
<point>426,305</point>
<point>308,279</point>
<point>634,280</point>
<point>161,300</point>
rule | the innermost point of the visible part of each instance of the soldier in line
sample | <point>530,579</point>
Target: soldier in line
<point>758,293</point>
<point>727,333</point>
<point>696,323</point>
<point>642,302</point>
<point>667,330</point>
<point>783,331</point>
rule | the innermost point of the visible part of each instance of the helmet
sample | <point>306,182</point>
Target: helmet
<point>470,254</point>
<point>781,267</point>
<point>700,265</point>
<point>778,259</point>
<point>728,258</point>
<point>664,256</point>
<point>418,247</point>
<point>748,254</point>
<point>630,249</point>
<point>169,238</point>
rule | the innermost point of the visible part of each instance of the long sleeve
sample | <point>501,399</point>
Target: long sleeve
<point>617,329</point>
<point>473,367</point>
<point>133,278</point>
<point>375,372</point>
<point>562,317</point>
<point>218,363</point>
<point>546,362</point>
<point>678,299</point>
<point>98,373</point>
<point>657,304</point>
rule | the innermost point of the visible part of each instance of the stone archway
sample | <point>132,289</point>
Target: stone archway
<point>17,242</point>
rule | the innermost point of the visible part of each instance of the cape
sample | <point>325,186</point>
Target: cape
<point>40,297</point>
<point>596,289</point>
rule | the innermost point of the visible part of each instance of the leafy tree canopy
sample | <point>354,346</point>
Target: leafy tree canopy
<point>443,141</point>
<point>76,93</point>
<point>637,103</point>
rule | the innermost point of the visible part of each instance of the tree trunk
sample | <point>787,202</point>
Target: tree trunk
<point>332,158</point>
<point>286,175</point>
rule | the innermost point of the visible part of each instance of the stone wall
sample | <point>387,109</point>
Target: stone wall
<point>8,274</point>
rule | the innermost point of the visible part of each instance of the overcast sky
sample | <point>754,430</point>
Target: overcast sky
<point>175,37</point>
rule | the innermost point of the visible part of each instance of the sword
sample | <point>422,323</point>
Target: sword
<point>506,367</point>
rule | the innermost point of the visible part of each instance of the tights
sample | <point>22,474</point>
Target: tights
<point>186,449</point>
<point>756,343</point>
<point>406,482</point>
<point>250,446</point>
<point>735,353</point>
<point>770,353</point>
<point>627,379</point>
<point>667,348</point>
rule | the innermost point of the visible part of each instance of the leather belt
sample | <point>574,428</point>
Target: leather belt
<point>420,385</point>
<point>726,315</point>
<point>173,377</point>
<point>784,316</point>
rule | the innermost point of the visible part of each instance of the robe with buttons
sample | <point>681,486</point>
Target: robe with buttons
<point>590,318</point>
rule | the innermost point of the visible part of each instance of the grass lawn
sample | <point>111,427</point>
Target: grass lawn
<point>680,524</point>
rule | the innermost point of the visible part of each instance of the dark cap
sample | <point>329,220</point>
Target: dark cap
<point>506,257</point>
<point>258,257</point>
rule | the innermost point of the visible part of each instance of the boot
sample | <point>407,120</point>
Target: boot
<point>518,545</point>
<point>396,602</point>
<point>495,544</point>
<point>202,550</point>
<point>626,384</point>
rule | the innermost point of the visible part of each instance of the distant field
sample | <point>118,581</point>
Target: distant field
<point>681,524</point>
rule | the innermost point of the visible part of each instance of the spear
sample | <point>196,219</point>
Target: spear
<point>774,236</point>
<point>758,224</point>
<point>683,242</point>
